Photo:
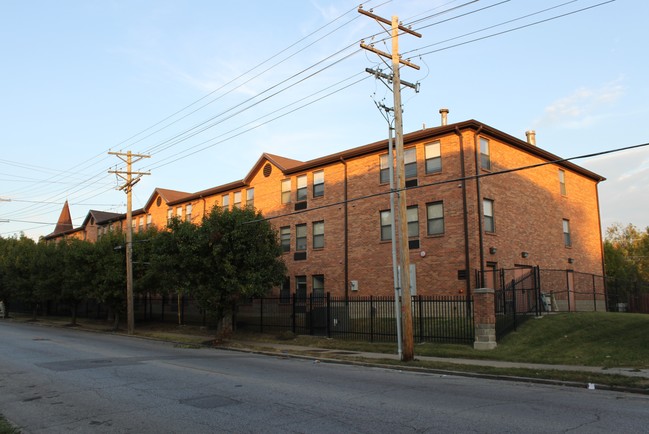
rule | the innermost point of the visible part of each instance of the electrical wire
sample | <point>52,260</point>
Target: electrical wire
<point>423,54</point>
<point>454,180</point>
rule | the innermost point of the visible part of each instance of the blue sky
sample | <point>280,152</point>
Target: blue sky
<point>80,78</point>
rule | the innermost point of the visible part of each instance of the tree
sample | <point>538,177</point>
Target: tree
<point>77,273</point>
<point>231,255</point>
<point>175,259</point>
<point>22,271</point>
<point>109,282</point>
<point>626,253</point>
<point>242,259</point>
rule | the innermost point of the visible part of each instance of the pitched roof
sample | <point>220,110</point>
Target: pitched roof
<point>64,223</point>
<point>101,217</point>
<point>169,196</point>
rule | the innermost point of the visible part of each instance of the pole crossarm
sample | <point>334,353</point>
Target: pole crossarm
<point>388,22</point>
<point>389,78</point>
<point>129,181</point>
<point>399,212</point>
<point>388,55</point>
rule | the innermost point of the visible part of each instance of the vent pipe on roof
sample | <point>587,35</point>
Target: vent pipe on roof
<point>531,137</point>
<point>444,113</point>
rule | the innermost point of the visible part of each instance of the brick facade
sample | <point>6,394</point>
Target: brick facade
<point>529,209</point>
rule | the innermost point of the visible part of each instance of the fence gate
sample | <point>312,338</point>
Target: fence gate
<point>517,297</point>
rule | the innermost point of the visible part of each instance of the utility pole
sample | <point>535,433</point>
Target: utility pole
<point>129,182</point>
<point>404,251</point>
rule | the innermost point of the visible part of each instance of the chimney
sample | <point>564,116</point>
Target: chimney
<point>531,137</point>
<point>444,113</point>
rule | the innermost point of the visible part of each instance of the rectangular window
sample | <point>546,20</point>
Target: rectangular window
<point>300,288</point>
<point>250,197</point>
<point>412,214</point>
<point>301,188</point>
<point>285,291</point>
<point>488,212</point>
<point>318,235</point>
<point>566,233</point>
<point>170,215</point>
<point>384,169</point>
<point>485,155</point>
<point>435,218</point>
<point>386,225</point>
<point>318,183</point>
<point>433,157</point>
<point>285,238</point>
<point>140,224</point>
<point>300,237</point>
<point>179,212</point>
<point>225,201</point>
<point>286,191</point>
<point>562,182</point>
<point>318,286</point>
<point>236,203</point>
<point>149,220</point>
<point>188,212</point>
<point>410,162</point>
<point>133,223</point>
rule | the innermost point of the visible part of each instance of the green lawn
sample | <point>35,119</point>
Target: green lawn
<point>591,339</point>
<point>6,428</point>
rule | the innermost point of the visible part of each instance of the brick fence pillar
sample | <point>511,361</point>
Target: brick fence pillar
<point>484,318</point>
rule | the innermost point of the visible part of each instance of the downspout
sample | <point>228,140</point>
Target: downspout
<point>346,232</point>
<point>204,205</point>
<point>601,246</point>
<point>479,199</point>
<point>467,259</point>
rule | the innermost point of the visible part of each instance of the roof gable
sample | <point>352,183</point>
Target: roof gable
<point>168,196</point>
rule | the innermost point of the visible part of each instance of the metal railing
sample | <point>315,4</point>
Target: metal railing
<point>369,318</point>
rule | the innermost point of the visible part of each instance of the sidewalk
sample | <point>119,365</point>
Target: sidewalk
<point>323,353</point>
<point>369,358</point>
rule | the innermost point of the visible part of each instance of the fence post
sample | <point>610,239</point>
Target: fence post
<point>261,314</point>
<point>420,308</point>
<point>568,290</point>
<point>371,318</point>
<point>594,295</point>
<point>293,315</point>
<point>514,303</point>
<point>537,289</point>
<point>328,314</point>
<point>182,309</point>
<point>484,318</point>
<point>310,314</point>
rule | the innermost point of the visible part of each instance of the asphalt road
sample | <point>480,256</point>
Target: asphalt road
<point>56,380</point>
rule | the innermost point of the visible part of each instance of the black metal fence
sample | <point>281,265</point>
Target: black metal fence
<point>572,291</point>
<point>627,295</point>
<point>517,297</point>
<point>371,318</point>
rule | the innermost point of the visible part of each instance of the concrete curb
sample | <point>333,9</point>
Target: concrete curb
<point>419,369</point>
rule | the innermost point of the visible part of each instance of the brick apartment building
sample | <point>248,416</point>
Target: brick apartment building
<point>332,214</point>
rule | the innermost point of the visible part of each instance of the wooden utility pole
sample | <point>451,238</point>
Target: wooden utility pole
<point>129,182</point>
<point>408,349</point>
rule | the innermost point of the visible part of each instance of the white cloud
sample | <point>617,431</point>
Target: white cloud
<point>583,107</point>
<point>623,196</point>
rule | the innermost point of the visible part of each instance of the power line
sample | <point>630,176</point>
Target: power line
<point>513,29</point>
<point>454,180</point>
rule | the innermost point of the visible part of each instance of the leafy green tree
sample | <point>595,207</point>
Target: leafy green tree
<point>77,273</point>
<point>109,282</point>
<point>175,259</point>
<point>6,251</point>
<point>241,259</point>
<point>21,272</point>
<point>626,253</point>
